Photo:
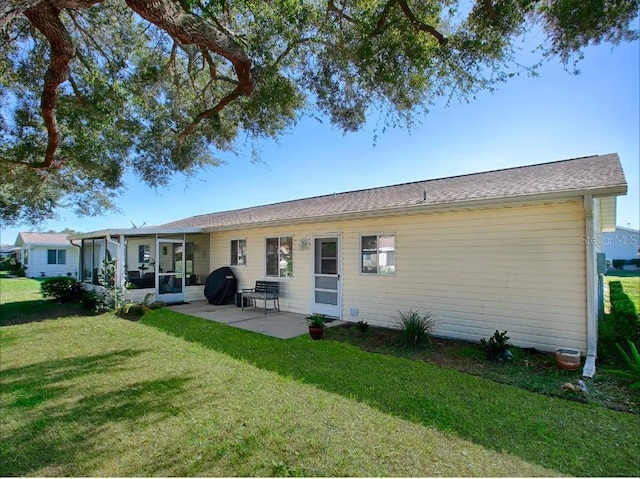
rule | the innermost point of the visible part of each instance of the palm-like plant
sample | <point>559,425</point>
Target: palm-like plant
<point>316,320</point>
<point>633,360</point>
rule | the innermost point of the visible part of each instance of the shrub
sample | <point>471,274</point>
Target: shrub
<point>633,362</point>
<point>134,311</point>
<point>415,329</point>
<point>93,302</point>
<point>496,346</point>
<point>12,267</point>
<point>623,324</point>
<point>363,326</point>
<point>62,289</point>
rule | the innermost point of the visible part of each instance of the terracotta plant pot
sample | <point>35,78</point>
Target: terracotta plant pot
<point>568,358</point>
<point>316,333</point>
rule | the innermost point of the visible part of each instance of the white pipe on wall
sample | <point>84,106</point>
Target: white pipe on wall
<point>589,369</point>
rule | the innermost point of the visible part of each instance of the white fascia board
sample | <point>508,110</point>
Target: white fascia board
<point>134,232</point>
<point>45,245</point>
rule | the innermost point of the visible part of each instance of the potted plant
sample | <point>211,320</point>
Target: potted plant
<point>316,323</point>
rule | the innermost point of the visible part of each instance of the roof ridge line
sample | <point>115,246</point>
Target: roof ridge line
<point>296,200</point>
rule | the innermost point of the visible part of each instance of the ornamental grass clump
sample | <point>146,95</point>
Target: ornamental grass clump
<point>415,329</point>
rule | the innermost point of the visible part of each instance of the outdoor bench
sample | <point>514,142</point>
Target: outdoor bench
<point>264,291</point>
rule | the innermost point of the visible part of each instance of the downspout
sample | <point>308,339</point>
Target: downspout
<point>589,369</point>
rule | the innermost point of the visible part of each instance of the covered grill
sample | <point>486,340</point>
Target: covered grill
<point>221,286</point>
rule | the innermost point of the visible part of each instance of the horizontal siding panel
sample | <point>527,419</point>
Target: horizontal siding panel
<point>519,269</point>
<point>560,296</point>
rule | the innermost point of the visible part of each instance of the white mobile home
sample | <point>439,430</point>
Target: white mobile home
<point>512,249</point>
<point>47,254</point>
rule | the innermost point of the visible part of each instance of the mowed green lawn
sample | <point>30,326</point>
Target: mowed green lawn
<point>173,395</point>
<point>630,285</point>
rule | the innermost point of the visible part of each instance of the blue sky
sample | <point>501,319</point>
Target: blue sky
<point>528,120</point>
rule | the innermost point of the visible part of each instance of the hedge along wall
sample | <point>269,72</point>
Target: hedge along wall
<point>622,324</point>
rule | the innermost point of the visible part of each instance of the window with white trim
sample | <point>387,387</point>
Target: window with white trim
<point>56,256</point>
<point>378,254</point>
<point>279,257</point>
<point>239,252</point>
<point>144,254</point>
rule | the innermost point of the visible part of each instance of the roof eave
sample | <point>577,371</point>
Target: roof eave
<point>147,231</point>
<point>31,245</point>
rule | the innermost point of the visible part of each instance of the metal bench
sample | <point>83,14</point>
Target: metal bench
<point>264,291</point>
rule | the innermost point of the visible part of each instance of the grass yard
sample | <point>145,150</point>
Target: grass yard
<point>630,283</point>
<point>535,372</point>
<point>21,301</point>
<point>173,395</point>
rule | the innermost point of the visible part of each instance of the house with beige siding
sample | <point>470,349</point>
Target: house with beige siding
<point>511,249</point>
<point>47,254</point>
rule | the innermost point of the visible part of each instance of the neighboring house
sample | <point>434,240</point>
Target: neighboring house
<point>9,251</point>
<point>511,249</point>
<point>622,246</point>
<point>47,254</point>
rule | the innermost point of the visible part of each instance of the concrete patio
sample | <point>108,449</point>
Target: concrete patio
<point>283,324</point>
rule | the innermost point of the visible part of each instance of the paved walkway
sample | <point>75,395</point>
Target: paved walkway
<point>281,324</point>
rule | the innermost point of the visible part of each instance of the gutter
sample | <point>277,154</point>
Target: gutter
<point>589,369</point>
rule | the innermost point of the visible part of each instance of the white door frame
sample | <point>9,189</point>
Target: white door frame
<point>332,310</point>
<point>174,281</point>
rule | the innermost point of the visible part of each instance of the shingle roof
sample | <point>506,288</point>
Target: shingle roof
<point>580,175</point>
<point>49,239</point>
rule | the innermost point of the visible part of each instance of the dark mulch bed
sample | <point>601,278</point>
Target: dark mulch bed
<point>529,369</point>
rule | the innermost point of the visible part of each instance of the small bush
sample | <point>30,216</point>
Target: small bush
<point>92,302</point>
<point>363,326</point>
<point>496,346</point>
<point>12,267</point>
<point>62,289</point>
<point>415,329</point>
<point>632,359</point>
<point>134,311</point>
<point>623,324</point>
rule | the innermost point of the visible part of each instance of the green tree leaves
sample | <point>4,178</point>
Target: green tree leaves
<point>90,89</point>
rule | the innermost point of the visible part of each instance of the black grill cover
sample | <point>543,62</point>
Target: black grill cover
<point>221,286</point>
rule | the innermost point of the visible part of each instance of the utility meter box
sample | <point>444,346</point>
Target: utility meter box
<point>601,262</point>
